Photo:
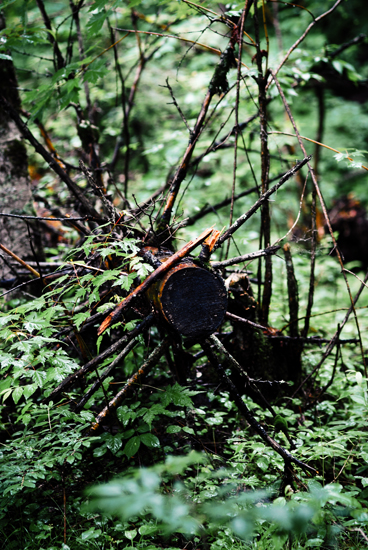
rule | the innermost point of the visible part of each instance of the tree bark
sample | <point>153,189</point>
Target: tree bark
<point>15,190</point>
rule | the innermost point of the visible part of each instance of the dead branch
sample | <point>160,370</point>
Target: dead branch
<point>247,257</point>
<point>19,260</point>
<point>218,84</point>
<point>238,319</point>
<point>301,38</point>
<point>335,337</point>
<point>112,212</point>
<point>60,63</point>
<point>287,457</point>
<point>242,219</point>
<point>210,209</point>
<point>324,210</point>
<point>292,292</point>
<point>105,374</point>
<point>129,386</point>
<point>72,378</point>
<point>41,218</point>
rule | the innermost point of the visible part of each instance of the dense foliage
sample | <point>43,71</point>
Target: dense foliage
<point>130,435</point>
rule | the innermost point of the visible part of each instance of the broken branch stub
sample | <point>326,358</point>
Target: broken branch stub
<point>191,299</point>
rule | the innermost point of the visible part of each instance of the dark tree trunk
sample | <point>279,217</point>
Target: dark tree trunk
<point>15,191</point>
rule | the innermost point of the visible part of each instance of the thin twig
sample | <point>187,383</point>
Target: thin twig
<point>218,84</point>
<point>182,116</point>
<point>66,218</point>
<point>335,337</point>
<point>236,126</point>
<point>287,457</point>
<point>325,213</point>
<point>242,219</point>
<point>60,63</point>
<point>301,38</point>
<point>20,261</point>
<point>105,374</point>
<point>72,378</point>
<point>238,319</point>
<point>152,360</point>
<point>247,257</point>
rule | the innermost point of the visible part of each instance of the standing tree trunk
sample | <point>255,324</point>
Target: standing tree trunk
<point>15,191</point>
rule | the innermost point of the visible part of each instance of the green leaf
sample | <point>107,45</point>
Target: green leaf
<point>5,393</point>
<point>132,446</point>
<point>17,393</point>
<point>150,440</point>
<point>79,318</point>
<point>113,443</point>
<point>29,390</point>
<point>91,534</point>
<point>173,429</point>
<point>130,534</point>
<point>96,22</point>
<point>148,529</point>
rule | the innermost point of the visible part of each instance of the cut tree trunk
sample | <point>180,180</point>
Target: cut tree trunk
<point>191,299</point>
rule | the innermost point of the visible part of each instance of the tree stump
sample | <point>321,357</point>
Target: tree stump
<point>191,299</point>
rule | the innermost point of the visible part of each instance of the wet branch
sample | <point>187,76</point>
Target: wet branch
<point>72,378</point>
<point>287,457</point>
<point>165,266</point>
<point>247,257</point>
<point>242,219</point>
<point>218,84</point>
<point>105,374</point>
<point>129,386</point>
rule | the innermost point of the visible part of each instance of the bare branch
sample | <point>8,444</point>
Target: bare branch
<point>242,219</point>
<point>72,378</point>
<point>129,386</point>
<point>247,257</point>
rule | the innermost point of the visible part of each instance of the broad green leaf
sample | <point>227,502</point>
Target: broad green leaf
<point>150,440</point>
<point>17,393</point>
<point>132,446</point>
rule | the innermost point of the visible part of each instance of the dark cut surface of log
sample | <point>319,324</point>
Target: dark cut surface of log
<point>192,300</point>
